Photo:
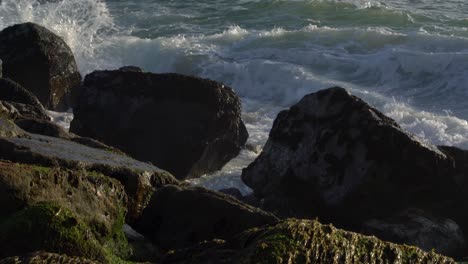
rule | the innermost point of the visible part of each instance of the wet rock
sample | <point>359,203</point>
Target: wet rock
<point>179,217</point>
<point>186,125</point>
<point>139,179</point>
<point>303,241</point>
<point>51,228</point>
<point>98,200</point>
<point>41,62</point>
<point>46,258</point>
<point>415,227</point>
<point>334,156</point>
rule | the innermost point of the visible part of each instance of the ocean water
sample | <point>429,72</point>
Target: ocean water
<point>408,58</point>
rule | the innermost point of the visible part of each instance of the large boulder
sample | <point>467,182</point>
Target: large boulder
<point>418,228</point>
<point>98,200</point>
<point>180,217</point>
<point>186,125</point>
<point>139,179</point>
<point>302,241</point>
<point>334,156</point>
<point>41,257</point>
<point>52,228</point>
<point>41,62</point>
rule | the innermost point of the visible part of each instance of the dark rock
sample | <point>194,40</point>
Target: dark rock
<point>302,241</point>
<point>98,200</point>
<point>46,258</point>
<point>234,192</point>
<point>19,102</point>
<point>180,217</point>
<point>43,127</point>
<point>41,62</point>
<point>51,228</point>
<point>333,156</point>
<point>13,111</point>
<point>415,227</point>
<point>13,92</point>
<point>139,179</point>
<point>131,69</point>
<point>186,125</point>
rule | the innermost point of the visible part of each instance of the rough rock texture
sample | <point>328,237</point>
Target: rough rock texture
<point>179,217</point>
<point>98,200</point>
<point>186,125</point>
<point>303,241</point>
<point>18,102</point>
<point>139,179</point>
<point>41,62</point>
<point>46,258</point>
<point>51,228</point>
<point>415,227</point>
<point>332,155</point>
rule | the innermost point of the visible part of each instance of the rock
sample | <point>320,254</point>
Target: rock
<point>139,179</point>
<point>131,69</point>
<point>13,92</point>
<point>303,241</point>
<point>51,228</point>
<point>13,111</point>
<point>98,200</point>
<point>415,227</point>
<point>180,217</point>
<point>333,156</point>
<point>19,102</point>
<point>234,192</point>
<point>41,62</point>
<point>46,258</point>
<point>186,125</point>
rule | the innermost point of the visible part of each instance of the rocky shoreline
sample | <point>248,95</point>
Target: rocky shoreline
<point>331,160</point>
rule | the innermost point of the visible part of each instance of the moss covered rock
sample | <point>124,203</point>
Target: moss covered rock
<point>46,258</point>
<point>51,228</point>
<point>303,242</point>
<point>139,179</point>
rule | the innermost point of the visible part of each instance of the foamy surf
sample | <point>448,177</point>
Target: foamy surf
<point>407,58</point>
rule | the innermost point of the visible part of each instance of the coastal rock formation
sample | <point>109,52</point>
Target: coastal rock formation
<point>415,227</point>
<point>97,199</point>
<point>332,155</point>
<point>41,62</point>
<point>180,217</point>
<point>52,228</point>
<point>18,102</point>
<point>46,258</point>
<point>139,179</point>
<point>186,125</point>
<point>302,241</point>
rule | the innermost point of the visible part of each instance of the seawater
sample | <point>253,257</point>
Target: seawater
<point>408,58</point>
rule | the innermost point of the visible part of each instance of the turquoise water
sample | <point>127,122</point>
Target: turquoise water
<point>408,58</point>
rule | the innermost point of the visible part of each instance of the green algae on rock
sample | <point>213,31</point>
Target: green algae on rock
<point>139,179</point>
<point>303,242</point>
<point>49,227</point>
<point>308,241</point>
<point>46,258</point>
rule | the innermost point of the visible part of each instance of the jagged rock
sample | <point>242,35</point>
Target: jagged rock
<point>234,192</point>
<point>179,217</point>
<point>332,155</point>
<point>303,241</point>
<point>97,199</point>
<point>41,62</point>
<point>139,179</point>
<point>186,125</point>
<point>18,102</point>
<point>52,228</point>
<point>415,227</point>
<point>46,258</point>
